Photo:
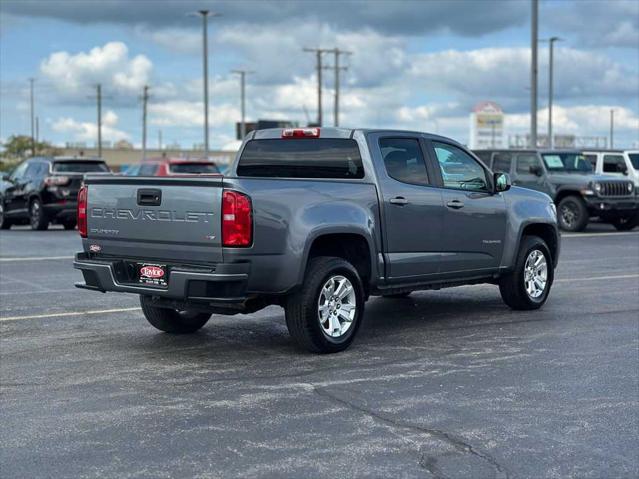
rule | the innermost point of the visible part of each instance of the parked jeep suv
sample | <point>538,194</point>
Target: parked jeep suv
<point>567,177</point>
<point>621,163</point>
<point>43,190</point>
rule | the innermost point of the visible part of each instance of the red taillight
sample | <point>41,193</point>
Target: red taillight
<point>57,180</point>
<point>301,133</point>
<point>82,211</point>
<point>237,219</point>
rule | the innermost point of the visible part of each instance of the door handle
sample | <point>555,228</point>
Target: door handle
<point>399,200</point>
<point>455,204</point>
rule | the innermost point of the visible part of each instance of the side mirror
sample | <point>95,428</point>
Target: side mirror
<point>501,182</point>
<point>535,170</point>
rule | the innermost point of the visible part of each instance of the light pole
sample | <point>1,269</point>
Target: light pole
<point>243,74</point>
<point>533,73</point>
<point>612,129</point>
<point>205,64</point>
<point>551,42</point>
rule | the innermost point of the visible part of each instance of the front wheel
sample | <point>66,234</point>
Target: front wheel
<point>626,223</point>
<point>37,217</point>
<point>325,314</point>
<point>171,320</point>
<point>528,285</point>
<point>572,214</point>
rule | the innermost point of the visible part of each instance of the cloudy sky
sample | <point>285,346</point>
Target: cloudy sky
<point>415,64</point>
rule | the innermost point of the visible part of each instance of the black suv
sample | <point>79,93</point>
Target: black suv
<point>44,189</point>
<point>567,177</point>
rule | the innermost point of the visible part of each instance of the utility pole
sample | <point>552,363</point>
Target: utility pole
<point>37,130</point>
<point>205,14</point>
<point>99,98</point>
<point>145,100</point>
<point>318,53</point>
<point>159,139</point>
<point>533,73</point>
<point>612,129</point>
<point>33,142</point>
<point>337,52</point>
<point>243,74</point>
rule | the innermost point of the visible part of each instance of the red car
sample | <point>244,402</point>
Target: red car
<point>172,167</point>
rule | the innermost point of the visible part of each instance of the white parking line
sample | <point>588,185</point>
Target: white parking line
<point>593,235</point>
<point>70,313</point>
<point>596,278</point>
<point>34,258</point>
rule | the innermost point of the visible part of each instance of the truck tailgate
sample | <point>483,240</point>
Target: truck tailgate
<point>156,218</point>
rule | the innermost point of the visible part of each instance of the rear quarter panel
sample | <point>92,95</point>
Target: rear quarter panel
<point>289,214</point>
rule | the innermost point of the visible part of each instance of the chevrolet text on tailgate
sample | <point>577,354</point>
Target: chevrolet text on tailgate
<point>316,221</point>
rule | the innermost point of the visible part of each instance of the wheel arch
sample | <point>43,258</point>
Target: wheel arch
<point>352,245</point>
<point>547,232</point>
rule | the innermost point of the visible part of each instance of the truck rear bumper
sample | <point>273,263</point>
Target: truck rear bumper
<point>222,283</point>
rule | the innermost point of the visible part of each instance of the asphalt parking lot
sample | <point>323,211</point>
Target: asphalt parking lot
<point>445,384</point>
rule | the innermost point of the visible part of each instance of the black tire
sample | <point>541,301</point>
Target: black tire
<point>397,295</point>
<point>572,214</point>
<point>627,223</point>
<point>302,307</point>
<point>5,223</point>
<point>69,225</point>
<point>37,216</point>
<point>171,320</point>
<point>512,286</point>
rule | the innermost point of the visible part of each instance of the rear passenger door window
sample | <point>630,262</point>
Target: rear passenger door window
<point>502,162</point>
<point>527,164</point>
<point>614,164</point>
<point>403,160</point>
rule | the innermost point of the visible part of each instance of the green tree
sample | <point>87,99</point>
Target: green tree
<point>19,146</point>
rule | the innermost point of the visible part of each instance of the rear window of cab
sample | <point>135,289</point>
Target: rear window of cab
<point>301,158</point>
<point>80,167</point>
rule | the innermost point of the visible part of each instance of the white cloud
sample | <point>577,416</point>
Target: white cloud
<point>87,131</point>
<point>503,73</point>
<point>109,65</point>
<point>580,120</point>
<point>189,114</point>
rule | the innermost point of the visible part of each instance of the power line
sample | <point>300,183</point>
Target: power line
<point>243,74</point>
<point>318,57</point>
<point>337,52</point>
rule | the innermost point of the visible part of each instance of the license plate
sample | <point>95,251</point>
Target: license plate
<point>153,274</point>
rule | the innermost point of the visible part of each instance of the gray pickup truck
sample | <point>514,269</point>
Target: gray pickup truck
<point>316,221</point>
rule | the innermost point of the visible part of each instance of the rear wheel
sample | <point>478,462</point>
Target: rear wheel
<point>325,314</point>
<point>5,223</point>
<point>171,320</point>
<point>528,285</point>
<point>626,223</point>
<point>37,217</point>
<point>572,214</point>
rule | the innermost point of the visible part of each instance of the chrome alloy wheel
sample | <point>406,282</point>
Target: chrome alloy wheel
<point>336,306</point>
<point>535,274</point>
